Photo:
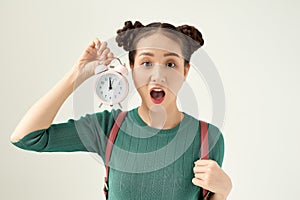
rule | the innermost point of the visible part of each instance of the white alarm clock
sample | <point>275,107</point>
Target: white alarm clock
<point>111,86</point>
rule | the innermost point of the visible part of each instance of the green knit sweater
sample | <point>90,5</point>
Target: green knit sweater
<point>146,163</point>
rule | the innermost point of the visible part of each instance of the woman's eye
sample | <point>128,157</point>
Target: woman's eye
<point>146,64</point>
<point>170,64</point>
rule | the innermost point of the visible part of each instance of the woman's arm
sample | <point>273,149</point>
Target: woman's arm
<point>43,112</point>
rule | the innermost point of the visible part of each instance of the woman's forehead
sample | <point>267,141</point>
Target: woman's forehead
<point>159,43</point>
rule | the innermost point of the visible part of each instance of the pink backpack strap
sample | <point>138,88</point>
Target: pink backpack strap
<point>204,150</point>
<point>109,145</point>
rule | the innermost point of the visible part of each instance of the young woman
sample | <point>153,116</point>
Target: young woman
<point>156,152</point>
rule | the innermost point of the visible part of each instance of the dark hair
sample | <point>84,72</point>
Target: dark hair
<point>189,37</point>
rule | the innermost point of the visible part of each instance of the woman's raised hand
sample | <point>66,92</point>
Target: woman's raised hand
<point>42,113</point>
<point>96,53</point>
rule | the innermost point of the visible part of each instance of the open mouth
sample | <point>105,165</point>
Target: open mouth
<point>157,95</point>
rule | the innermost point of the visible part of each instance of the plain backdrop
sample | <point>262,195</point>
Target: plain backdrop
<point>253,44</point>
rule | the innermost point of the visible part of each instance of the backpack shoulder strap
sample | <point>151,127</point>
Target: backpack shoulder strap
<point>204,140</point>
<point>109,145</point>
<point>204,150</point>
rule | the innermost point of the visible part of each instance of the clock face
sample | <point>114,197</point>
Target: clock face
<point>111,87</point>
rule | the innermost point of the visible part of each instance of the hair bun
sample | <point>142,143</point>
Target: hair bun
<point>126,34</point>
<point>194,34</point>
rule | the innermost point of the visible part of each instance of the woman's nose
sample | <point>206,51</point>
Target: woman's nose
<point>157,74</point>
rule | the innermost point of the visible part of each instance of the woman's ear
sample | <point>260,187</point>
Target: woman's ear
<point>186,70</point>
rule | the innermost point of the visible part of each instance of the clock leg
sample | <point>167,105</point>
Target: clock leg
<point>100,105</point>
<point>120,105</point>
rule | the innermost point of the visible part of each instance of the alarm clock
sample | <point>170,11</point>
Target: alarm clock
<point>111,85</point>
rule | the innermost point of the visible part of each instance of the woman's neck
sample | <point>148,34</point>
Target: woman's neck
<point>159,117</point>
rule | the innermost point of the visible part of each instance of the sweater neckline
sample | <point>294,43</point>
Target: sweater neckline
<point>137,119</point>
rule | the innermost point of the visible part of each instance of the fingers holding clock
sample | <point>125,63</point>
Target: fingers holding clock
<point>95,53</point>
<point>104,54</point>
<point>110,57</point>
<point>99,50</point>
<point>95,43</point>
<point>102,49</point>
<point>93,47</point>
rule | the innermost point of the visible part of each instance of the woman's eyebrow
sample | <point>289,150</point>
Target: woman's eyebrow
<point>171,54</point>
<point>146,54</point>
<point>151,54</point>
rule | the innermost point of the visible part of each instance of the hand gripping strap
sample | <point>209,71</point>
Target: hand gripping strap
<point>109,146</point>
<point>204,150</point>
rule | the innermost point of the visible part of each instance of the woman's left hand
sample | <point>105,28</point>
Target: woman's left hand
<point>210,176</point>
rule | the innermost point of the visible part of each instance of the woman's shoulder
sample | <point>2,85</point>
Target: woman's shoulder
<point>194,118</point>
<point>213,129</point>
<point>215,140</point>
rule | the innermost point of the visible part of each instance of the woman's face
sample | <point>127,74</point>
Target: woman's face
<point>158,70</point>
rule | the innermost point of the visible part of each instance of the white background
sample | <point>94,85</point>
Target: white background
<point>254,45</point>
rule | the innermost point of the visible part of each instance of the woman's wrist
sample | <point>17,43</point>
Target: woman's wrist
<point>78,75</point>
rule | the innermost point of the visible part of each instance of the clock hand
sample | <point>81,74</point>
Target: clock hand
<point>112,82</point>
<point>109,88</point>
